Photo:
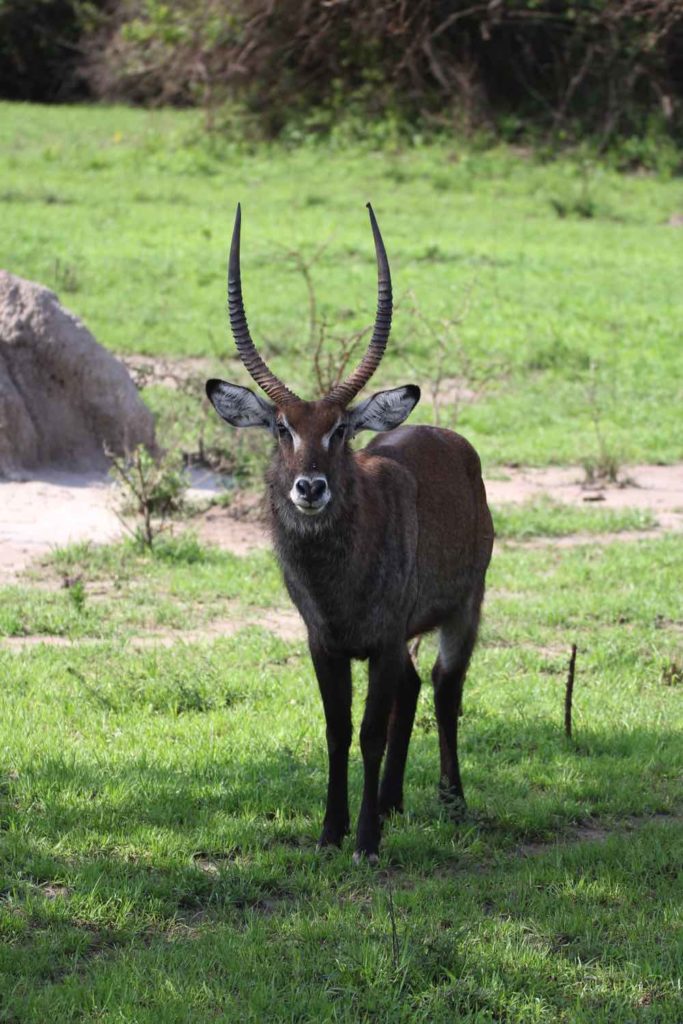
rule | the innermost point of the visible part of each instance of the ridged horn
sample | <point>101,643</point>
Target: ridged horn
<point>256,366</point>
<point>344,392</point>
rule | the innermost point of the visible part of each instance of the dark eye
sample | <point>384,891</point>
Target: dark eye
<point>283,432</point>
<point>340,432</point>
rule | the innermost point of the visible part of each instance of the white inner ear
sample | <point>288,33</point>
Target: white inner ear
<point>384,411</point>
<point>241,407</point>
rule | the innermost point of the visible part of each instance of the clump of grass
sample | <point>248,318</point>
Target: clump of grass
<point>75,588</point>
<point>672,673</point>
<point>606,465</point>
<point>581,200</point>
<point>66,277</point>
<point>583,206</point>
<point>606,462</point>
<point>185,549</point>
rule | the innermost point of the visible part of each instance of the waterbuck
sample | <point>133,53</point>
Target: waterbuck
<point>377,546</point>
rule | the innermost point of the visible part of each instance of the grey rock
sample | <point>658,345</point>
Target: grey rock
<point>63,397</point>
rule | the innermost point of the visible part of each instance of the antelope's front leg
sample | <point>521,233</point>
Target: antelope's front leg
<point>334,680</point>
<point>385,669</point>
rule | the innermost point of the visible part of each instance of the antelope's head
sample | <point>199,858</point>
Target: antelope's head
<point>313,463</point>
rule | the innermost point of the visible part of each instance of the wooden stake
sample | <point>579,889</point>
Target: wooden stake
<point>568,693</point>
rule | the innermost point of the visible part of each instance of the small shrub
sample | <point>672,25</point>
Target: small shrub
<point>605,463</point>
<point>557,355</point>
<point>575,206</point>
<point>604,466</point>
<point>150,489</point>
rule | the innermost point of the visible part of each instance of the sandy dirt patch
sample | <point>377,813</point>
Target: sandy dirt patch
<point>60,508</point>
<point>54,510</point>
<point>171,373</point>
<point>596,832</point>
<point>575,540</point>
<point>657,488</point>
<point>240,536</point>
<point>239,528</point>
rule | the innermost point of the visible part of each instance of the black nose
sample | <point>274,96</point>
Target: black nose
<point>311,490</point>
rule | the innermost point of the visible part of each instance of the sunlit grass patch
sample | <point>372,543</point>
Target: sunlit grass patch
<point>547,518</point>
<point>121,589</point>
<point>559,316</point>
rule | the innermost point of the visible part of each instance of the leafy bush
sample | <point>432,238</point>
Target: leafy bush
<point>604,64</point>
<point>39,56</point>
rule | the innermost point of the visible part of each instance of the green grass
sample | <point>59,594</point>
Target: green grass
<point>547,518</point>
<point>123,589</point>
<point>159,811</point>
<point>128,213</point>
<point>159,805</point>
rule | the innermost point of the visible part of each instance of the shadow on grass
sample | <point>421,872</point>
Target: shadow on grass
<point>538,927</point>
<point>533,784</point>
<point>115,875</point>
<point>517,763</point>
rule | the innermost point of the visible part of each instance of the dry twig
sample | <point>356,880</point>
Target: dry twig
<point>395,948</point>
<point>568,694</point>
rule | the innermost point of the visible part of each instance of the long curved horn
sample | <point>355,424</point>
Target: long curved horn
<point>258,369</point>
<point>343,393</point>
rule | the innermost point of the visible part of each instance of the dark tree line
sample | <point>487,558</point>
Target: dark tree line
<point>604,66</point>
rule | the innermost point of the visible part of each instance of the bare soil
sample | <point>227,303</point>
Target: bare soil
<point>51,511</point>
<point>171,373</point>
<point>59,508</point>
<point>657,488</point>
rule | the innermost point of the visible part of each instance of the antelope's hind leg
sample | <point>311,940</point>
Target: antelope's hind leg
<point>457,638</point>
<point>400,729</point>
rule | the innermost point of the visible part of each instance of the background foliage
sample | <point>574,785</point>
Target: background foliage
<point>607,66</point>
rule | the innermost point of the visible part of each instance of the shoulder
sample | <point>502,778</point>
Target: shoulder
<point>421,443</point>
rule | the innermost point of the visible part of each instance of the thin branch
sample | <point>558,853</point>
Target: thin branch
<point>568,694</point>
<point>395,948</point>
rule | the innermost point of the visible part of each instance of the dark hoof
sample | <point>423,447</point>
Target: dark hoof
<point>332,836</point>
<point>367,843</point>
<point>361,857</point>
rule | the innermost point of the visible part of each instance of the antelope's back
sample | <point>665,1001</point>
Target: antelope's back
<point>455,536</point>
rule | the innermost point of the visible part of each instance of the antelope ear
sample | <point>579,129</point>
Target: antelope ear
<point>385,410</point>
<point>240,406</point>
